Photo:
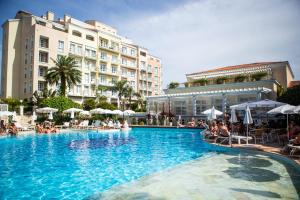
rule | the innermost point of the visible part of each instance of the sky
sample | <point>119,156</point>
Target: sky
<point>190,35</point>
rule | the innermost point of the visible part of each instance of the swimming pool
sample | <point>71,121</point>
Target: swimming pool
<point>77,165</point>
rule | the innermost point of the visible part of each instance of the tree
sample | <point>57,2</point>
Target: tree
<point>173,85</point>
<point>131,93</point>
<point>291,96</point>
<point>38,96</point>
<point>13,103</point>
<point>60,102</point>
<point>89,104</point>
<point>258,76</point>
<point>64,73</point>
<point>201,81</point>
<point>120,87</point>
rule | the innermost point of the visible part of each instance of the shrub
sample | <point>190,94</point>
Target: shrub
<point>173,85</point>
<point>13,103</point>
<point>89,104</point>
<point>133,121</point>
<point>60,102</point>
<point>240,78</point>
<point>291,96</point>
<point>202,81</point>
<point>141,123</point>
<point>258,76</point>
<point>106,105</point>
<point>222,80</point>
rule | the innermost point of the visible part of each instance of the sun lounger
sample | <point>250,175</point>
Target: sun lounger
<point>294,149</point>
<point>66,125</point>
<point>240,138</point>
<point>84,124</point>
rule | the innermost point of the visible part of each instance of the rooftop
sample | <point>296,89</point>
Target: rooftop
<point>233,67</point>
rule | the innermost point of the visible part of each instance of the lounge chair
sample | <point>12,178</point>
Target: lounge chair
<point>294,149</point>
<point>66,125</point>
<point>22,128</point>
<point>84,124</point>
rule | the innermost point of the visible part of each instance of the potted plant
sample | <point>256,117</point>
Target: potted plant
<point>222,80</point>
<point>202,81</point>
<point>240,78</point>
<point>258,76</point>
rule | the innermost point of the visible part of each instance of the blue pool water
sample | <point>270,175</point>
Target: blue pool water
<point>79,164</point>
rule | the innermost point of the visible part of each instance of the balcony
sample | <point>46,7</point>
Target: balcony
<point>75,53</point>
<point>115,62</point>
<point>104,59</point>
<point>128,65</point>
<point>128,55</point>
<point>109,48</point>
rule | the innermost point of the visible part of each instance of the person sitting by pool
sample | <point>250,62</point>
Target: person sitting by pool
<point>294,129</point>
<point>223,130</point>
<point>53,129</point>
<point>2,128</point>
<point>191,123</point>
<point>202,124</point>
<point>12,129</point>
<point>179,125</point>
<point>125,124</point>
<point>39,128</point>
<point>296,141</point>
<point>213,130</point>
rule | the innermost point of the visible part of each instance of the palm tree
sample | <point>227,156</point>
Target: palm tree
<point>121,88</point>
<point>173,85</point>
<point>38,96</point>
<point>64,72</point>
<point>131,93</point>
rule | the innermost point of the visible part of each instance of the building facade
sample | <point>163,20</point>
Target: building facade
<point>223,87</point>
<point>31,42</point>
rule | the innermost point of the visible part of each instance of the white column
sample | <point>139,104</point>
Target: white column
<point>194,105</point>
<point>21,110</point>
<point>224,102</point>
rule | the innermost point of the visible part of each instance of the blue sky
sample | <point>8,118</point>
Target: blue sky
<point>190,35</point>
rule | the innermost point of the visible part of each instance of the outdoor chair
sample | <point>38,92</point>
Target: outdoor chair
<point>258,135</point>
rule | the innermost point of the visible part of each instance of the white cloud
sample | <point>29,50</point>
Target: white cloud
<point>201,35</point>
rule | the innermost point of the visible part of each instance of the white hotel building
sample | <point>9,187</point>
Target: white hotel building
<point>104,57</point>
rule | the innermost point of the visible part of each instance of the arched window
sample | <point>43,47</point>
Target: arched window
<point>89,37</point>
<point>76,33</point>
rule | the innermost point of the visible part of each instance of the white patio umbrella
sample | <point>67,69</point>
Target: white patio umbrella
<point>117,112</point>
<point>285,109</point>
<point>50,117</point>
<point>74,110</point>
<point>179,119</point>
<point>266,103</point>
<point>212,113</point>
<point>98,111</point>
<point>248,120</point>
<point>107,111</point>
<point>84,112</point>
<point>128,112</point>
<point>33,117</point>
<point>6,113</point>
<point>46,110</point>
<point>297,109</point>
<point>233,118</point>
<point>14,116</point>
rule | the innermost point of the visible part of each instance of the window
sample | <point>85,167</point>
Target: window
<point>200,106</point>
<point>86,78</point>
<point>90,53</point>
<point>124,72</point>
<point>76,33</point>
<point>103,55</point>
<point>44,42</point>
<point>102,79</point>
<point>78,89</point>
<point>132,83</point>
<point>180,107</point>
<point>25,88</point>
<point>41,85</point>
<point>124,61</point>
<point>156,70</point>
<point>132,52</point>
<point>61,45</point>
<point>86,90</point>
<point>132,73</point>
<point>124,50</point>
<point>114,58</point>
<point>72,48</point>
<point>113,80</point>
<point>113,70</point>
<point>41,23</point>
<point>42,71</point>
<point>89,37</point>
<point>149,68</point>
<point>143,64</point>
<point>26,43</point>
<point>26,58</point>
<point>149,76</point>
<point>79,50</point>
<point>103,67</point>
<point>43,57</point>
<point>103,43</point>
<point>143,53</point>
